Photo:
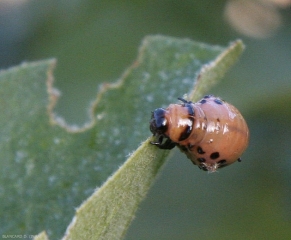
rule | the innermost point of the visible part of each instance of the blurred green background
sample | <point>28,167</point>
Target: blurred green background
<point>95,41</point>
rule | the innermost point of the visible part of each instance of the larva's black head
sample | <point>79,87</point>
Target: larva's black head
<point>158,122</point>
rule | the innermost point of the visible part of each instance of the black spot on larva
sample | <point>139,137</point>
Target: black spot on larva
<point>218,120</point>
<point>222,162</point>
<point>207,96</point>
<point>202,101</point>
<point>201,159</point>
<point>214,155</point>
<point>186,133</point>
<point>200,150</point>
<point>190,109</point>
<point>218,101</point>
<point>239,159</point>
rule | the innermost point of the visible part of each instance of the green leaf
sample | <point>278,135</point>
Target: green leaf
<point>109,211</point>
<point>49,168</point>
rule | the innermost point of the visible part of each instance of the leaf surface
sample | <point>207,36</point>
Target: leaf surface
<point>48,168</point>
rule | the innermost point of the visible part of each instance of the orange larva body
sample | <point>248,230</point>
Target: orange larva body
<point>212,133</point>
